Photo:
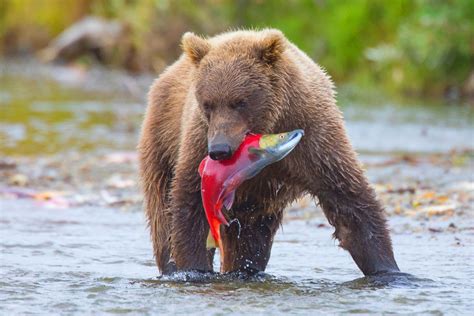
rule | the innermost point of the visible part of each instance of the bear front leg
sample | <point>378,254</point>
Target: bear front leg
<point>361,228</point>
<point>189,232</point>
<point>247,246</point>
<point>156,176</point>
<point>189,227</point>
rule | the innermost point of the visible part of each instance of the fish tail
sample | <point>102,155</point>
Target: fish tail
<point>211,241</point>
<point>221,253</point>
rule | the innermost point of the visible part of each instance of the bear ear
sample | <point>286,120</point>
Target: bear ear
<point>270,48</point>
<point>194,47</point>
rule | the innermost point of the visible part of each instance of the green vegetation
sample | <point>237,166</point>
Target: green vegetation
<point>414,46</point>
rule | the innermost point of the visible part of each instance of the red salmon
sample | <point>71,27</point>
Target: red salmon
<point>220,178</point>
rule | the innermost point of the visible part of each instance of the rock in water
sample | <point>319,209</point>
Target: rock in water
<point>91,35</point>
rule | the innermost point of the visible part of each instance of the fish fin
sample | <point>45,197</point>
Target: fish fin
<point>256,151</point>
<point>229,200</point>
<point>201,166</point>
<point>220,216</point>
<point>210,242</point>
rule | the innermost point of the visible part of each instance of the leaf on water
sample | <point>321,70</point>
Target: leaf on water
<point>442,199</point>
<point>428,195</point>
<point>47,195</point>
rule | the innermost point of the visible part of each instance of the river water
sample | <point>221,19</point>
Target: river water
<point>97,260</point>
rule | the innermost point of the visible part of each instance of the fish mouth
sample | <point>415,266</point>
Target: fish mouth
<point>294,138</point>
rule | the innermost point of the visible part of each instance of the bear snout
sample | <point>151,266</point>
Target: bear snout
<point>220,151</point>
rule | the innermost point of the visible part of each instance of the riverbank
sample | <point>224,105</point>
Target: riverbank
<point>433,190</point>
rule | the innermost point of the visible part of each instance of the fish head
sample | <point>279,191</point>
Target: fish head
<point>271,148</point>
<point>275,147</point>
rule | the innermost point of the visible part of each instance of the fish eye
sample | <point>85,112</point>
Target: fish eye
<point>281,136</point>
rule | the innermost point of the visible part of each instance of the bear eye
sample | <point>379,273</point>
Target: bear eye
<point>207,108</point>
<point>239,105</point>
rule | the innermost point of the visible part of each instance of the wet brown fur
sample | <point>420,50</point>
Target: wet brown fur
<point>219,89</point>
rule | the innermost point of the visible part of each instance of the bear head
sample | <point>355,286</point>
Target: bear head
<point>237,85</point>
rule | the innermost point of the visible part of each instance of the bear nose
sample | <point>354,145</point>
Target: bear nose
<point>220,152</point>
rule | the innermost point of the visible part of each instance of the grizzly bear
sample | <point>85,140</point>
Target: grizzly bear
<point>220,89</point>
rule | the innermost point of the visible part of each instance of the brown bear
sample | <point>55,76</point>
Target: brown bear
<point>220,89</point>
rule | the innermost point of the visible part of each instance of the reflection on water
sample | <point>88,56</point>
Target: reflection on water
<point>40,116</point>
<point>99,260</point>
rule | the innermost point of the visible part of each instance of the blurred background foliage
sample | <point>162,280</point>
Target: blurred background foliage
<point>422,47</point>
